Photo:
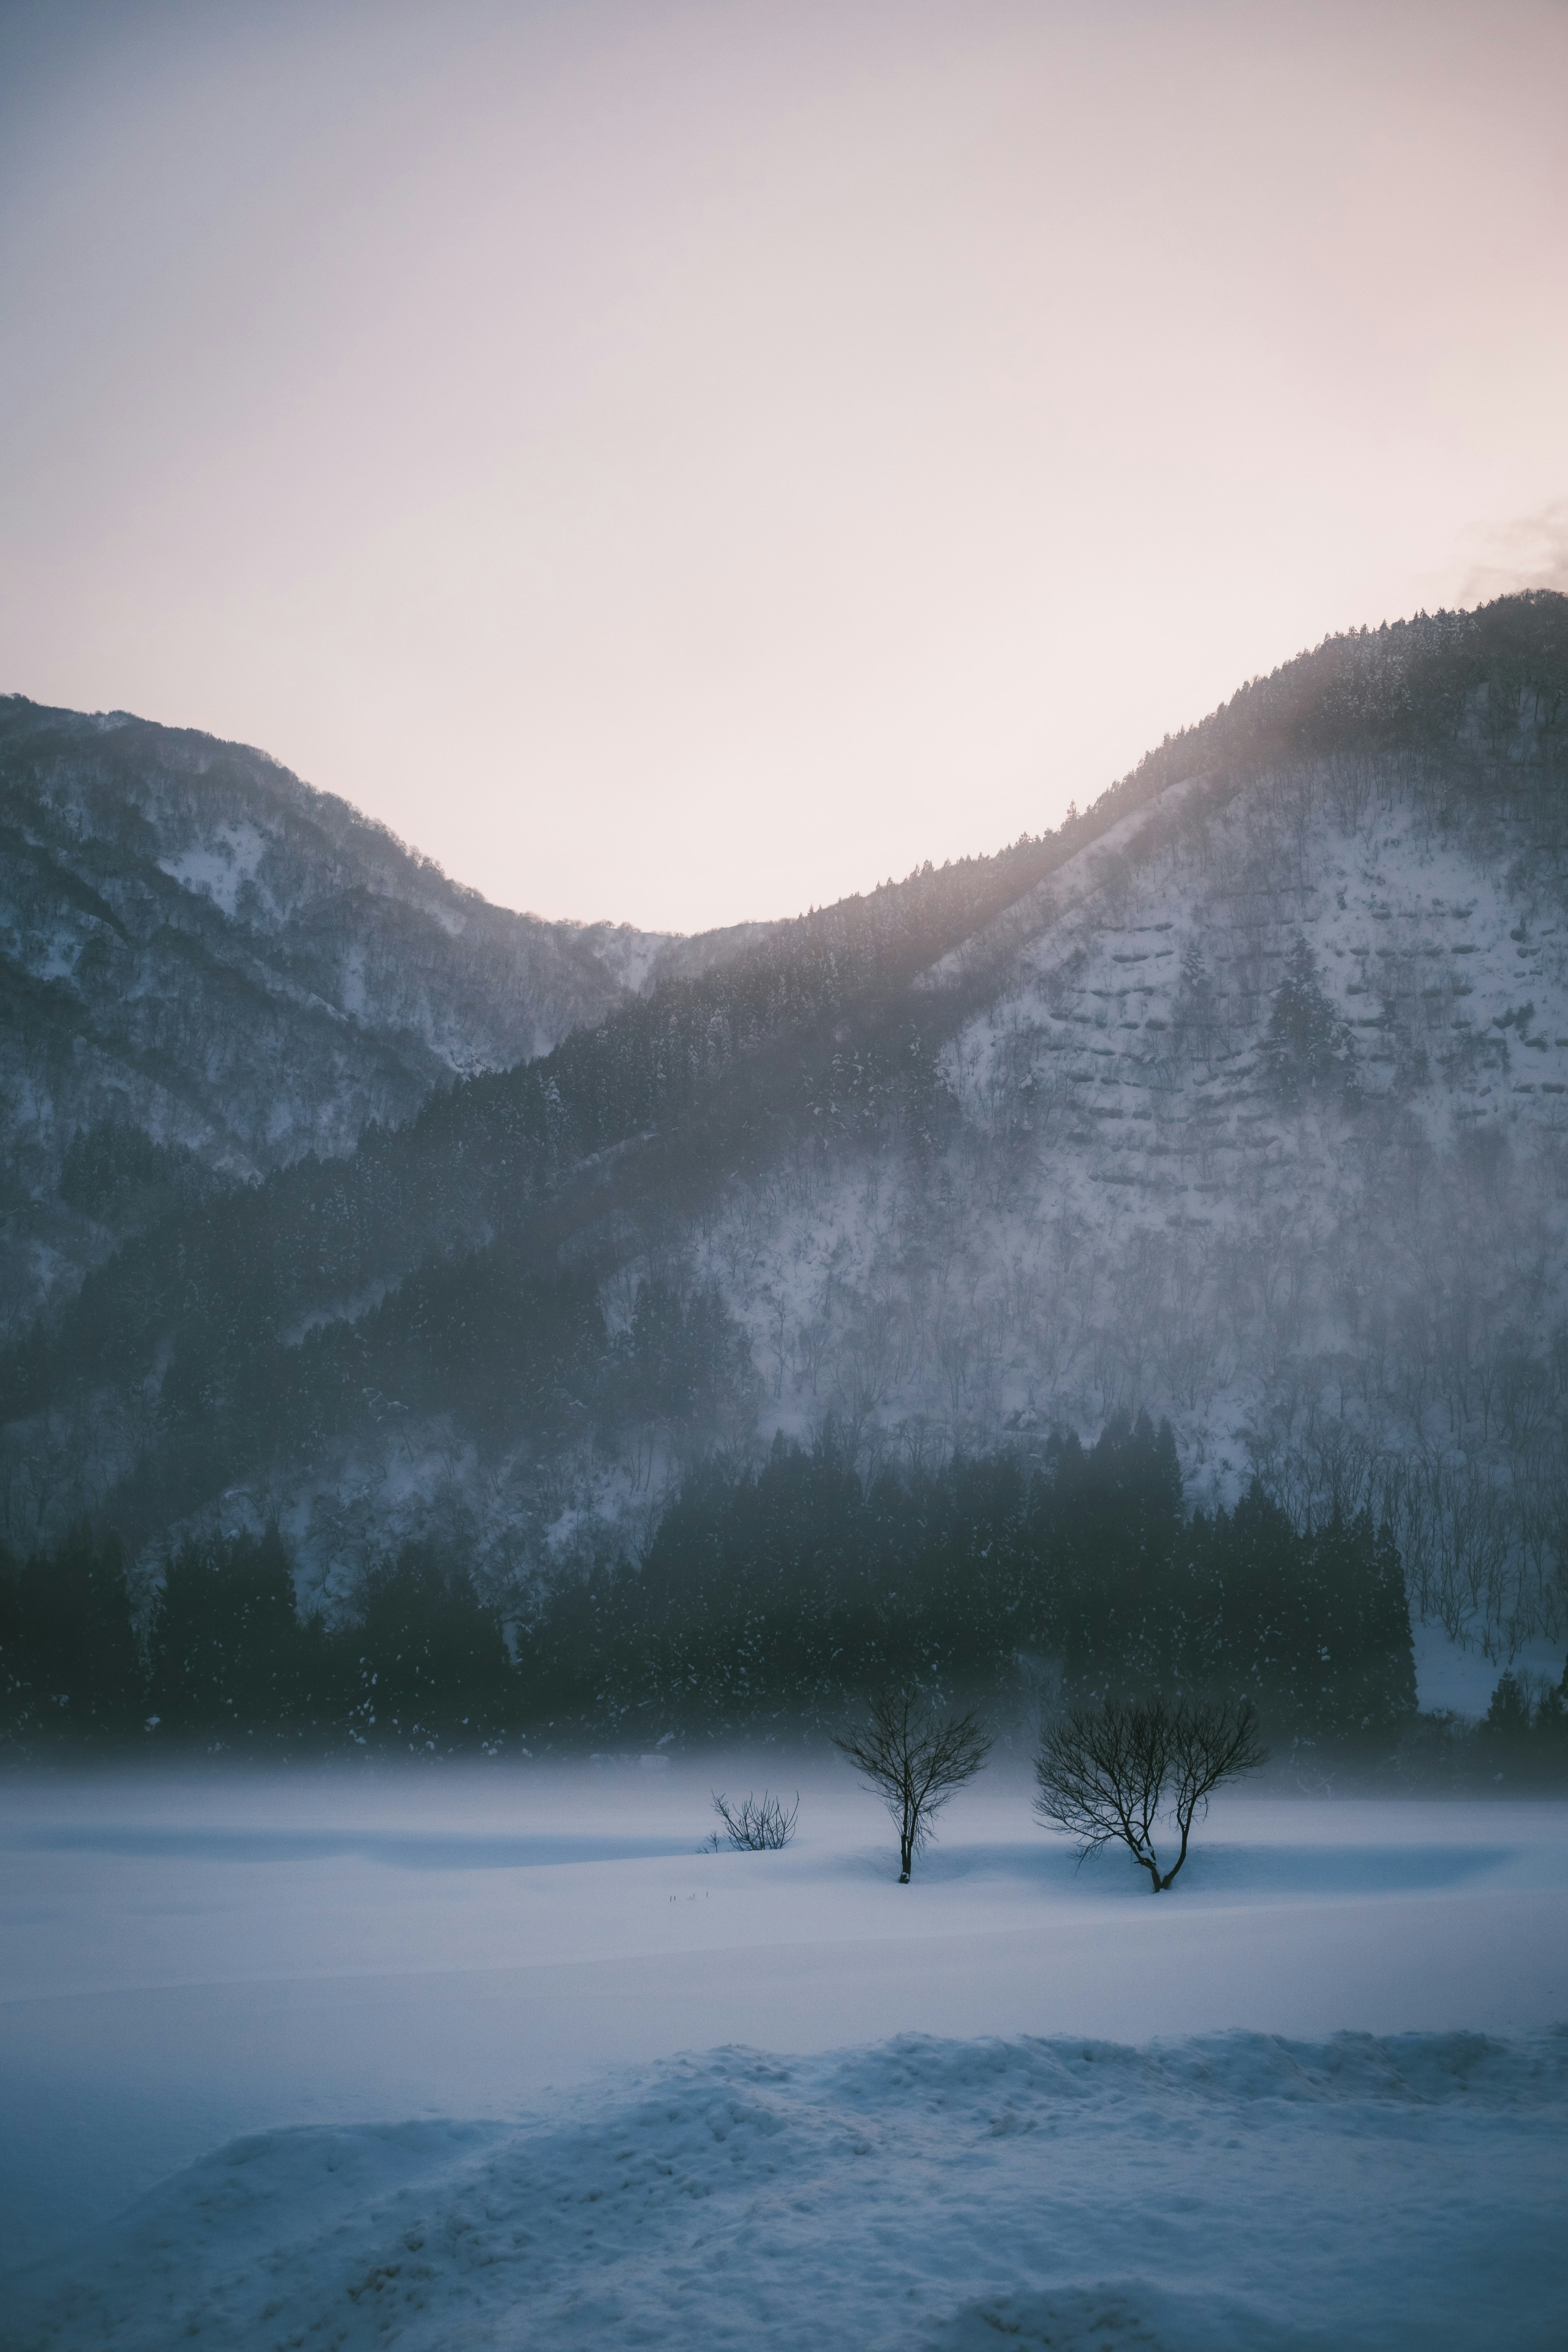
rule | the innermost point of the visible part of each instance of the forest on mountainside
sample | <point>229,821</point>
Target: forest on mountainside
<point>763,1596</point>
<point>1417,686</point>
<point>520,1311</point>
<point>598,1149</point>
<point>462,1214</point>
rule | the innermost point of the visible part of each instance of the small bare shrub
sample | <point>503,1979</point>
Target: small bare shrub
<point>755,1825</point>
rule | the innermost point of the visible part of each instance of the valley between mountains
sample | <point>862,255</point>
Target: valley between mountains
<point>347,1212</point>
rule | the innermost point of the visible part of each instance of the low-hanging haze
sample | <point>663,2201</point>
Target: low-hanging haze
<point>685,462</point>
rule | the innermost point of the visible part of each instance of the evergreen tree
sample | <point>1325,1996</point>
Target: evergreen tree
<point>1505,1731</point>
<point>430,1659</point>
<point>227,1649</point>
<point>1548,1732</point>
<point>1388,1690</point>
<point>1306,1049</point>
<point>1196,1012</point>
<point>1244,1625</point>
<point>1114,1522</point>
<point>68,1656</point>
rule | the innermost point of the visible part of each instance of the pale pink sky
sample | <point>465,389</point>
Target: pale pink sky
<point>686,462</point>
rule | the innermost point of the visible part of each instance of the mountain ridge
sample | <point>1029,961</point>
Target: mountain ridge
<point>199,948</point>
<point>879,1147</point>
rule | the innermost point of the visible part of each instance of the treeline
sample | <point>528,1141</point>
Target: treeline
<point>768,1593</point>
<point>1524,1733</point>
<point>781,1589</point>
<point>223,1655</point>
<point>1422,684</point>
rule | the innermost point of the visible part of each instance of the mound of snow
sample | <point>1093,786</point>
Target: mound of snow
<point>1237,2190</point>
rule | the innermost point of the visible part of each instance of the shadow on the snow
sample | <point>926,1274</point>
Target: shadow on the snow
<point>444,1850</point>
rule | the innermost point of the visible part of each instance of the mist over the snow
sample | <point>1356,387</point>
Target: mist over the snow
<point>433,2012</point>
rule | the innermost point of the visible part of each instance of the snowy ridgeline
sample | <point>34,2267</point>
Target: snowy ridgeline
<point>466,2059</point>
<point>1228,2194</point>
<point>203,949</point>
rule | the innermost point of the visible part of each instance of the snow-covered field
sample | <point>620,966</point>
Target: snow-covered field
<point>462,2058</point>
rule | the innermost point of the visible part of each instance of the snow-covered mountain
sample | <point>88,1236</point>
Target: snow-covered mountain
<point>1242,1098</point>
<point>1263,1124</point>
<point>201,953</point>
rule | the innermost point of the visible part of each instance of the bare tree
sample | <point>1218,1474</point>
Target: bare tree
<point>914,1759</point>
<point>1110,1772</point>
<point>755,1825</point>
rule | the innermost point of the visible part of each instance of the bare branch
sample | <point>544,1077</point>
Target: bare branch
<point>1212,1743</point>
<point>756,1824</point>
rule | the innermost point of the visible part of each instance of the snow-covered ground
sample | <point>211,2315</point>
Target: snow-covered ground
<point>1459,1679</point>
<point>492,2058</point>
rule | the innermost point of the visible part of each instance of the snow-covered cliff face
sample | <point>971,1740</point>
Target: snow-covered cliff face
<point>1266,1128</point>
<point>197,946</point>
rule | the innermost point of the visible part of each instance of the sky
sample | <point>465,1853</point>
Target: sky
<point>682,463</point>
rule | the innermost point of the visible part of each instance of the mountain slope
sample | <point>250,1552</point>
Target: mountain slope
<point>1267,1128</point>
<point>1240,1097</point>
<point>199,950</point>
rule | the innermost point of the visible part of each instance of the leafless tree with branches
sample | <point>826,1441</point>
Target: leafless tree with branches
<point>1110,1772</point>
<point>914,1758</point>
<point>755,1825</point>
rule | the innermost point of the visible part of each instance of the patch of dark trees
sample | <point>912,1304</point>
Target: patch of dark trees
<point>1520,1744</point>
<point>223,1656</point>
<point>510,1353</point>
<point>784,1588</point>
<point>764,1595</point>
<point>1427,684</point>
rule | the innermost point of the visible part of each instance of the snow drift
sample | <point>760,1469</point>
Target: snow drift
<point>1236,2191</point>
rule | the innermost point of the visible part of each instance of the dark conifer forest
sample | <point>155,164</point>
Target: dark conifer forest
<point>764,1595</point>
